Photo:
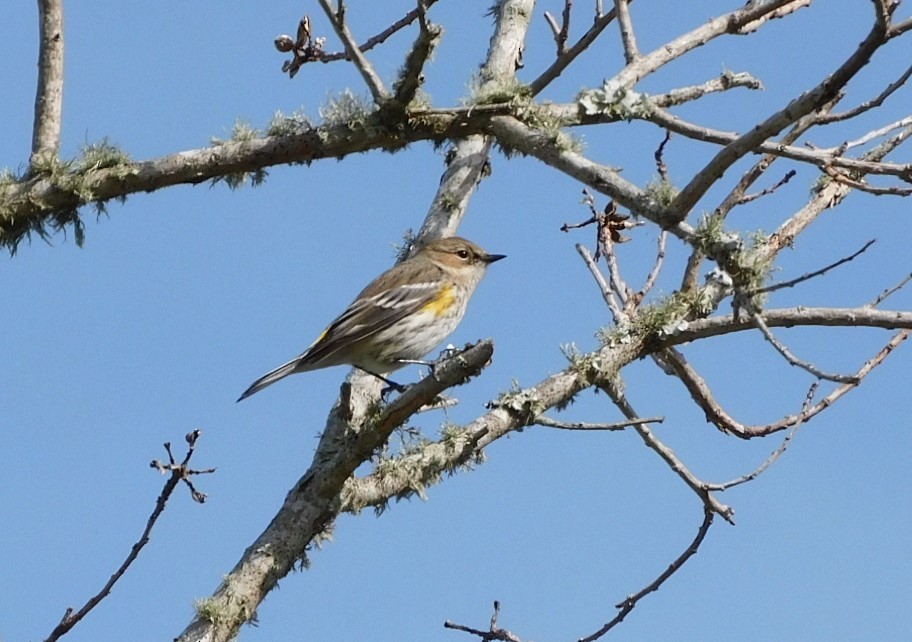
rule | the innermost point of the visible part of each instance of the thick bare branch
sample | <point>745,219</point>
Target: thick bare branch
<point>49,96</point>
<point>468,161</point>
<point>583,425</point>
<point>791,317</point>
<point>628,37</point>
<point>351,437</point>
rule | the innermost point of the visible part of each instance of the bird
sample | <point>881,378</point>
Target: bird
<point>399,317</point>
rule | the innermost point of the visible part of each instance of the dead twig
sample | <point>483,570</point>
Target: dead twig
<point>493,633</point>
<point>631,601</point>
<point>659,156</point>
<point>653,275</point>
<point>867,105</point>
<point>810,275</point>
<point>667,454</point>
<point>747,198</point>
<point>180,472</point>
<point>889,291</point>
<point>337,18</point>
<point>787,354</point>
<point>776,454</point>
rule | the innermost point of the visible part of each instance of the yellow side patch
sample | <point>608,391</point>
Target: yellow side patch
<point>320,338</point>
<point>441,303</point>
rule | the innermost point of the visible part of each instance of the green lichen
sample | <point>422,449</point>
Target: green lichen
<point>615,101</point>
<point>744,261</point>
<point>347,109</point>
<point>484,91</point>
<point>292,124</point>
<point>241,132</point>
<point>76,179</point>
<point>661,191</point>
<point>524,403</point>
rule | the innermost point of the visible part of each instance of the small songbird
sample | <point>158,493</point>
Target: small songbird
<point>400,316</point>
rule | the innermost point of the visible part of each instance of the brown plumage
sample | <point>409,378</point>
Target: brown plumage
<point>401,315</point>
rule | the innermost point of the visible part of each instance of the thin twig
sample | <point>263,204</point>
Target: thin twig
<point>821,158</point>
<point>493,633</point>
<point>381,37</point>
<point>179,472</point>
<point>667,454</point>
<point>337,18</point>
<point>542,420</point>
<point>814,274</point>
<point>411,77</point>
<point>565,28</point>
<point>782,349</point>
<point>659,156</point>
<point>870,104</point>
<point>607,294</point>
<point>653,275</point>
<point>747,198</point>
<point>776,454</point>
<point>601,22</point>
<point>618,284</point>
<point>555,30</point>
<point>861,186</point>
<point>716,414</point>
<point>49,95</point>
<point>871,135</point>
<point>631,601</point>
<point>889,291</point>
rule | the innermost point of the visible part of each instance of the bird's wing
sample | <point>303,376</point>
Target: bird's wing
<point>370,314</point>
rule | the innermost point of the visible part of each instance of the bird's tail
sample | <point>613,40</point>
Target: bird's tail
<point>271,377</point>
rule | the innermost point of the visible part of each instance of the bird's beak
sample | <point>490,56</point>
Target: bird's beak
<point>491,258</point>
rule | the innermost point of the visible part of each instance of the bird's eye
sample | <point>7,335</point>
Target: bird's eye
<point>463,254</point>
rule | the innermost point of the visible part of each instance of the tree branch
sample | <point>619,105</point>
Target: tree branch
<point>709,500</point>
<point>179,473</point>
<point>631,601</point>
<point>628,37</point>
<point>715,414</point>
<point>49,96</point>
<point>804,104</point>
<point>411,77</point>
<point>353,434</point>
<point>337,18</point>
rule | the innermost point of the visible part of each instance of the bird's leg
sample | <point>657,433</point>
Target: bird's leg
<point>391,386</point>
<point>446,353</point>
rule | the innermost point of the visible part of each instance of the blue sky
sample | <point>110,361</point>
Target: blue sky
<point>181,298</point>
